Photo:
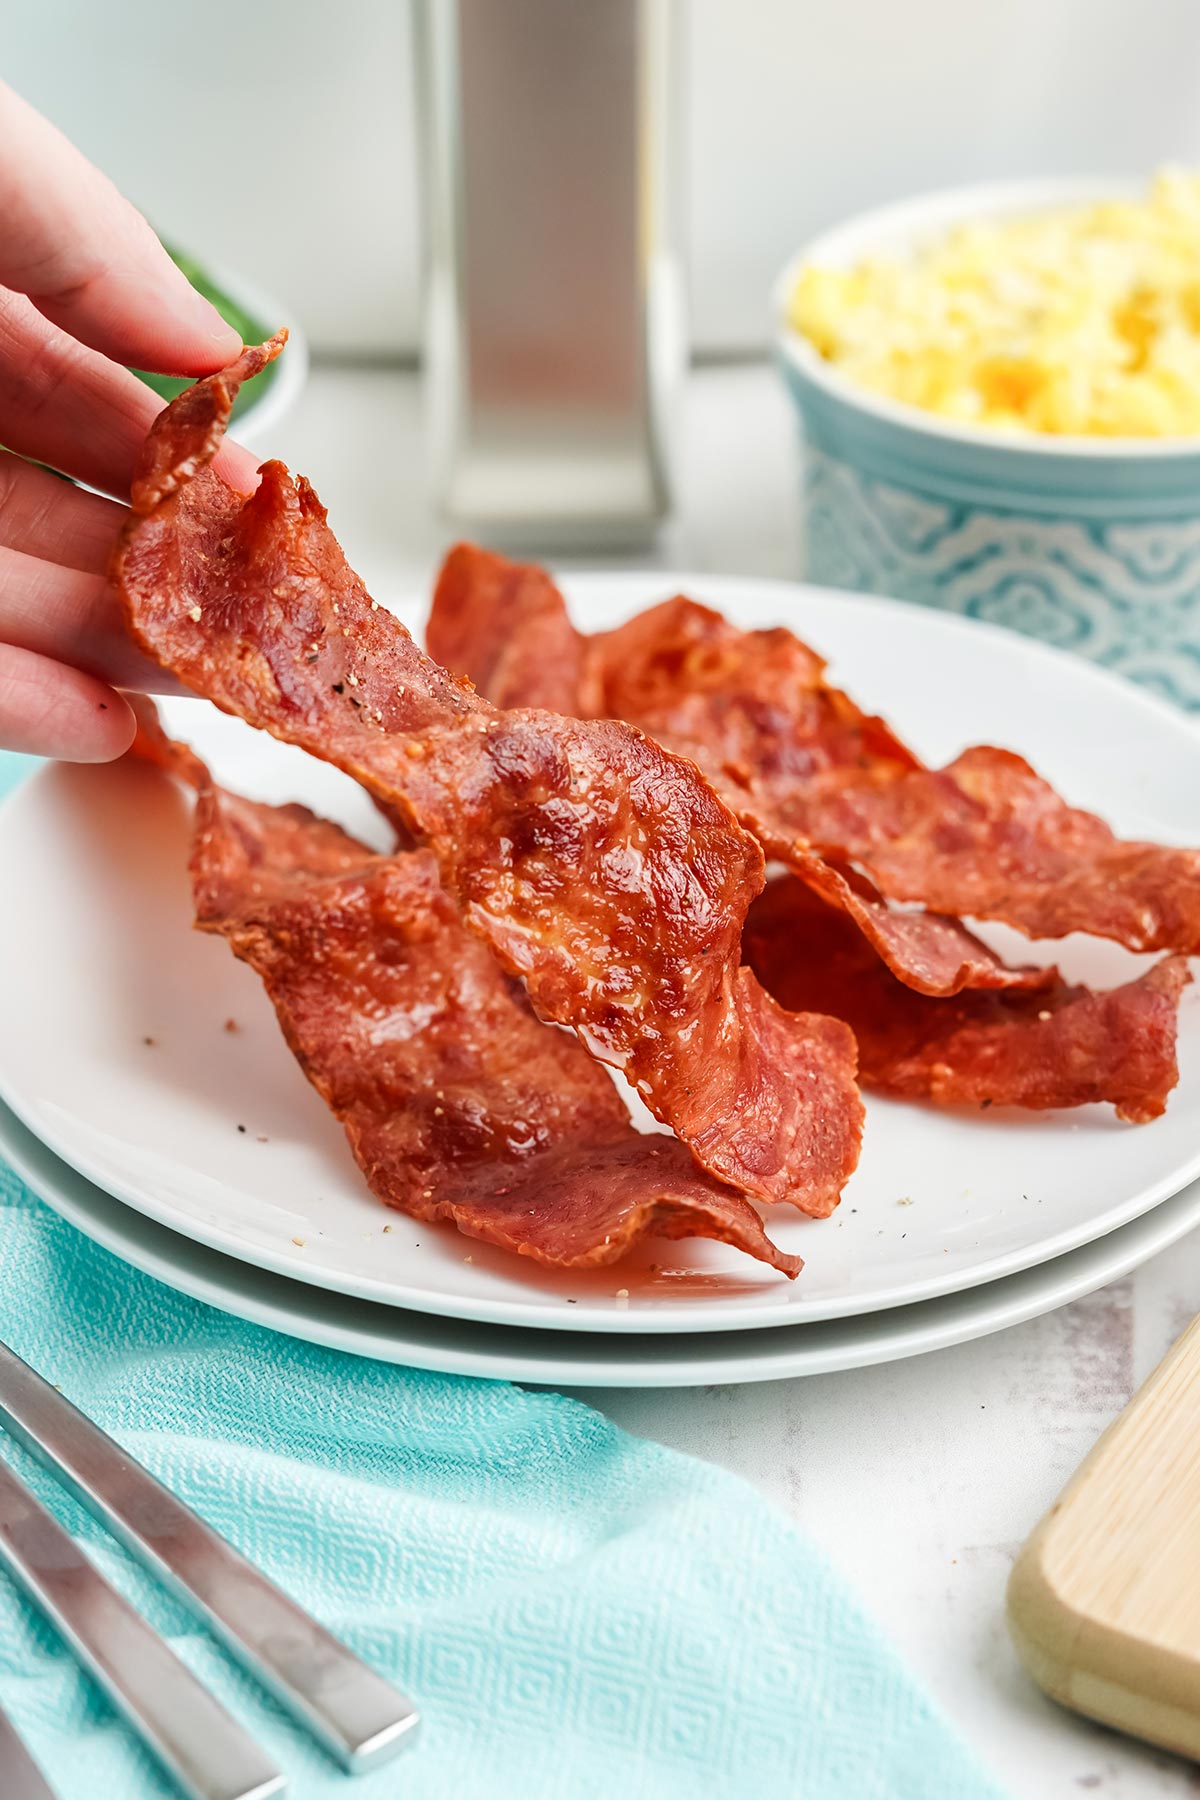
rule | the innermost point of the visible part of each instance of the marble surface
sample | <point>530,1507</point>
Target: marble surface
<point>920,1479</point>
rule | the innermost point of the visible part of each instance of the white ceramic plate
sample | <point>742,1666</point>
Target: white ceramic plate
<point>96,958</point>
<point>584,1358</point>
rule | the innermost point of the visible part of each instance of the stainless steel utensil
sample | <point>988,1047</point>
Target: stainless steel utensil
<point>359,1716</point>
<point>203,1746</point>
<point>20,1777</point>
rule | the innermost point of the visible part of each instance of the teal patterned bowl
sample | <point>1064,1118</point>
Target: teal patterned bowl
<point>1092,544</point>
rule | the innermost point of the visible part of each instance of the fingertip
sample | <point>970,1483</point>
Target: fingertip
<point>201,340</point>
<point>214,344</point>
<point>152,319</point>
<point>184,332</point>
<point>89,724</point>
<point>92,264</point>
<point>47,709</point>
<point>191,352</point>
<point>114,729</point>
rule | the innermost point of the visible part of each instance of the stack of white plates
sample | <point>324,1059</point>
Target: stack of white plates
<point>150,1098</point>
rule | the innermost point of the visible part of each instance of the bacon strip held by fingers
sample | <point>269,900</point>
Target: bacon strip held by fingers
<point>599,868</point>
<point>1060,1046</point>
<point>459,1104</point>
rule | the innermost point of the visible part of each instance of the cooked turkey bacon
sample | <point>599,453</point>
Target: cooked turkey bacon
<point>601,869</point>
<point>458,1103</point>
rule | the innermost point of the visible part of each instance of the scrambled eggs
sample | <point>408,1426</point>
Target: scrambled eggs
<point>1084,320</point>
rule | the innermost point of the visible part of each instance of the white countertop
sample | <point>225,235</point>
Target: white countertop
<point>920,1479</point>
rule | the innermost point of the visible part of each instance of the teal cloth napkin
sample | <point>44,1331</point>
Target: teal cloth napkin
<point>578,1613</point>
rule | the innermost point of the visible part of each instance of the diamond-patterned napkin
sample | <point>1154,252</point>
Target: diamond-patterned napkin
<point>578,1613</point>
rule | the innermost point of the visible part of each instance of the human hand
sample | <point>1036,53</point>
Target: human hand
<point>85,288</point>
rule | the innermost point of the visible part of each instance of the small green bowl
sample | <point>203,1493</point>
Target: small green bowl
<point>1092,544</point>
<point>264,400</point>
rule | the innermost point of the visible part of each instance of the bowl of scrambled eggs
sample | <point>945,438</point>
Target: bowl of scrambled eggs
<point>999,392</point>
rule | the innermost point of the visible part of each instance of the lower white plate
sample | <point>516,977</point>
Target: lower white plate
<point>114,1048</point>
<point>582,1359</point>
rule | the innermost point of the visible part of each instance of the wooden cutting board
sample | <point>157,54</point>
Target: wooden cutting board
<point>1104,1601</point>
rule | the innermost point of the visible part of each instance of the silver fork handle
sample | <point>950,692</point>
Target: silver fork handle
<point>359,1716</point>
<point>203,1746</point>
<point>20,1777</point>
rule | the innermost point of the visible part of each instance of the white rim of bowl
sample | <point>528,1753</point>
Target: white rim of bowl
<point>292,368</point>
<point>936,213</point>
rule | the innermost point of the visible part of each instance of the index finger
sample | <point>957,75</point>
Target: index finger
<point>63,404</point>
<point>90,262</point>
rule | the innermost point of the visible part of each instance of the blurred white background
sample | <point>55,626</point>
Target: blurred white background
<point>276,137</point>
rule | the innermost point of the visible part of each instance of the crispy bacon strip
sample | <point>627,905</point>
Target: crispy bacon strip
<point>985,837</point>
<point>727,699</point>
<point>812,775</point>
<point>988,837</point>
<point>601,869</point>
<point>505,626</point>
<point>929,952</point>
<point>1062,1046</point>
<point>459,1104</point>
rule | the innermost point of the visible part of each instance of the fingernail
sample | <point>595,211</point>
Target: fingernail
<point>218,328</point>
